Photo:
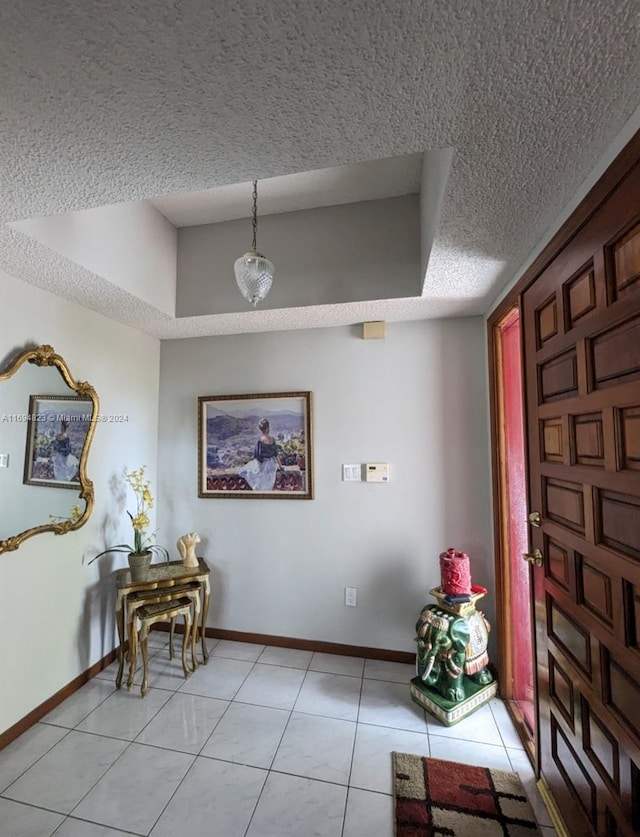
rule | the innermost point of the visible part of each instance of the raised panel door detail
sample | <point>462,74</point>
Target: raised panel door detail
<point>600,746</point>
<point>619,522</point>
<point>586,379</point>
<point>610,823</point>
<point>594,590</point>
<point>564,503</point>
<point>558,377</point>
<point>580,297</point>
<point>547,321</point>
<point>588,439</point>
<point>576,777</point>
<point>635,796</point>
<point>573,640</point>
<point>626,261</point>
<point>561,691</point>
<point>628,441</point>
<point>622,696</point>
<point>615,354</point>
<point>551,440</point>
<point>632,615</point>
<point>557,562</point>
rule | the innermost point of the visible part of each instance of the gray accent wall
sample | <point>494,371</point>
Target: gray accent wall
<point>416,400</point>
<point>329,255</point>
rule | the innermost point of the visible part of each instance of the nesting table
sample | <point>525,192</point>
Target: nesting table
<point>162,582</point>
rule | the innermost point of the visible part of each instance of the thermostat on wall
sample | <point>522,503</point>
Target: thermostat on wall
<point>377,472</point>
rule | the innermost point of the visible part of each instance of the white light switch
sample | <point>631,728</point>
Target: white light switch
<point>4,460</point>
<point>352,473</point>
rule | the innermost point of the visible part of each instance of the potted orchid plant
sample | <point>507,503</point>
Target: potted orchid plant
<point>141,550</point>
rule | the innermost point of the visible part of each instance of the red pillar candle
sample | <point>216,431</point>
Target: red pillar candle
<point>455,573</point>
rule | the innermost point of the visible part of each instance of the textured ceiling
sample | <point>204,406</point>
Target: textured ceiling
<point>103,104</point>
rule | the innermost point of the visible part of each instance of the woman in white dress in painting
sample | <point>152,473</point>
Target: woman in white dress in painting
<point>260,472</point>
<point>65,464</point>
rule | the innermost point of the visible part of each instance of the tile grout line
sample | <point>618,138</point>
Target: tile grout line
<point>270,768</point>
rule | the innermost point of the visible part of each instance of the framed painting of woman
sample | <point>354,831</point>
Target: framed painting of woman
<point>57,428</point>
<point>255,446</point>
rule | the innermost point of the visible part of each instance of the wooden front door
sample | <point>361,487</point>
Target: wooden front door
<point>581,323</point>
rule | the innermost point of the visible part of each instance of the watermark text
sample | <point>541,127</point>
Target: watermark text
<point>66,417</point>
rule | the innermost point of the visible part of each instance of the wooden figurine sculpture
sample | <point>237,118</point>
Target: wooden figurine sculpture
<point>187,549</point>
<point>453,678</point>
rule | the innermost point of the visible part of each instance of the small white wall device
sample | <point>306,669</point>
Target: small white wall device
<point>376,472</point>
<point>352,473</point>
<point>373,331</point>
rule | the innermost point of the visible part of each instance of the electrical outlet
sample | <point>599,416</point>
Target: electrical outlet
<point>350,596</point>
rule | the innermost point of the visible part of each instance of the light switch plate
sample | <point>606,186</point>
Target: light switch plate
<point>4,460</point>
<point>350,596</point>
<point>352,473</point>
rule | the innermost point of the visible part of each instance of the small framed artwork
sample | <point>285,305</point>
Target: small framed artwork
<point>255,446</point>
<point>57,430</point>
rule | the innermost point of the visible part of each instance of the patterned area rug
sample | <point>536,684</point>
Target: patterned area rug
<point>434,797</point>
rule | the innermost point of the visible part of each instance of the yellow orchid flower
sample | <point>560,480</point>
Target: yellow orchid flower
<point>140,522</point>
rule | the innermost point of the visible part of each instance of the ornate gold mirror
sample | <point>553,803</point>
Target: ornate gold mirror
<point>47,422</point>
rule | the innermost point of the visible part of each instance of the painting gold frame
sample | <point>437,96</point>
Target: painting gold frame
<point>238,458</point>
<point>46,416</point>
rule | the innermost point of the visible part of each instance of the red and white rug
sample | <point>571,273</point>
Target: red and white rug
<point>435,797</point>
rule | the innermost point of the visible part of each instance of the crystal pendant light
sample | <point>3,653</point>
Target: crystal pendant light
<point>254,273</point>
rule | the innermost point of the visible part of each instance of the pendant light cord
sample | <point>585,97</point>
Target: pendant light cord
<point>255,214</point>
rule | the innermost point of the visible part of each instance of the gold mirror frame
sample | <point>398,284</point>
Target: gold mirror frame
<point>46,356</point>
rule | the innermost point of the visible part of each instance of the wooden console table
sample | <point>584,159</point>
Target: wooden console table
<point>160,578</point>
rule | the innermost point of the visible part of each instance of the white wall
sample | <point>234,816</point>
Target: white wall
<point>130,244</point>
<point>436,165</point>
<point>56,613</point>
<point>417,400</point>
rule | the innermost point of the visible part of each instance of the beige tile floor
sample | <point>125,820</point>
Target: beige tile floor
<point>261,742</point>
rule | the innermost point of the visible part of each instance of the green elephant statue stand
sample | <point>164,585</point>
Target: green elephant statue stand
<point>451,648</point>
